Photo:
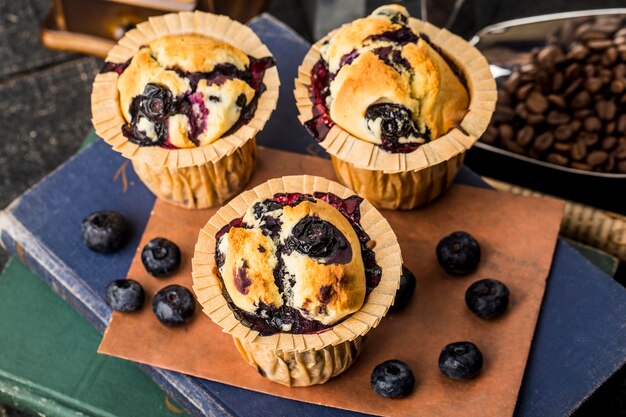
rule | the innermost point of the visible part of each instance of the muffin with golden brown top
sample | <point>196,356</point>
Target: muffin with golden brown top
<point>183,96</point>
<point>381,91</point>
<point>301,275</point>
<point>182,91</point>
<point>387,85</point>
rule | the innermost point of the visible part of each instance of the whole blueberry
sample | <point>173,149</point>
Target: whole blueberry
<point>406,290</point>
<point>458,253</point>
<point>160,257</point>
<point>104,231</point>
<point>392,379</point>
<point>395,119</point>
<point>124,295</point>
<point>461,360</point>
<point>487,298</point>
<point>174,305</point>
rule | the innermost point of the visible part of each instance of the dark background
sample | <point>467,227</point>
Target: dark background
<point>45,112</point>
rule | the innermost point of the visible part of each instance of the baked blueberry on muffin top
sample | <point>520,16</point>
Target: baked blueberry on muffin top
<point>385,83</point>
<point>296,263</point>
<point>182,91</point>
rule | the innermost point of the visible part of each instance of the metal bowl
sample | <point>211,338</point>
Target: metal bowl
<point>505,45</point>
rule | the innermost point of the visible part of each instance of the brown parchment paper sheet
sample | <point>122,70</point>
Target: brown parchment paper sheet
<point>517,236</point>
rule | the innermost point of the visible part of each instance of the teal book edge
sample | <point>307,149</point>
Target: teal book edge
<point>49,365</point>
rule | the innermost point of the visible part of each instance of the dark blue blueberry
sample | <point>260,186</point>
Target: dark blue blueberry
<point>104,231</point>
<point>458,253</point>
<point>174,305</point>
<point>160,257</point>
<point>487,298</point>
<point>320,240</point>
<point>461,360</point>
<point>156,104</point>
<point>124,295</point>
<point>395,122</point>
<point>392,379</point>
<point>406,290</point>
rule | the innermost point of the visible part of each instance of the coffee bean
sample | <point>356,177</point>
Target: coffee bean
<point>575,125</point>
<point>593,84</point>
<point>563,132</point>
<point>558,159</point>
<point>521,111</point>
<point>503,113</point>
<point>590,139</point>
<point>579,150</point>
<point>608,143</point>
<point>593,34</point>
<point>536,102</point>
<point>620,152</point>
<point>557,82</point>
<point>581,114</point>
<point>557,118</point>
<point>573,71</point>
<point>582,165</point>
<point>513,146</point>
<point>597,158</point>
<point>572,87</point>
<point>512,82</point>
<point>621,167</point>
<point>609,165</point>
<point>590,70</point>
<point>619,71</point>
<point>535,119</point>
<point>565,147</point>
<point>578,52</point>
<point>525,135</point>
<point>606,109</point>
<point>592,124</point>
<point>599,44</point>
<point>609,56</point>
<point>551,55</point>
<point>557,101</point>
<point>606,75</point>
<point>543,141</point>
<point>618,85</point>
<point>524,91</point>
<point>505,132</point>
<point>621,123</point>
<point>609,128</point>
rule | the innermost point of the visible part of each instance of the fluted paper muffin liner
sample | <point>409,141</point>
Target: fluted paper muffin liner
<point>200,177</point>
<point>407,180</point>
<point>298,359</point>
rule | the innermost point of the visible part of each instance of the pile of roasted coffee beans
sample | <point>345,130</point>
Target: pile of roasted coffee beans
<point>567,104</point>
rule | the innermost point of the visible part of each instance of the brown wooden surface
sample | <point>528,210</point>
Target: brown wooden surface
<point>517,236</point>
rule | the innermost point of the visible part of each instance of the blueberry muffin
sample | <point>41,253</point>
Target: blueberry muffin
<point>183,96</point>
<point>298,268</point>
<point>389,96</point>
<point>386,84</point>
<point>182,91</point>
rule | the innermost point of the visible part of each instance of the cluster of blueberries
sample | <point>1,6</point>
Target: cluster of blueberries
<point>459,255</point>
<point>173,305</point>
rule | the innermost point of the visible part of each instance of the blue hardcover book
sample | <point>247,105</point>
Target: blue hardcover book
<point>580,340</point>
